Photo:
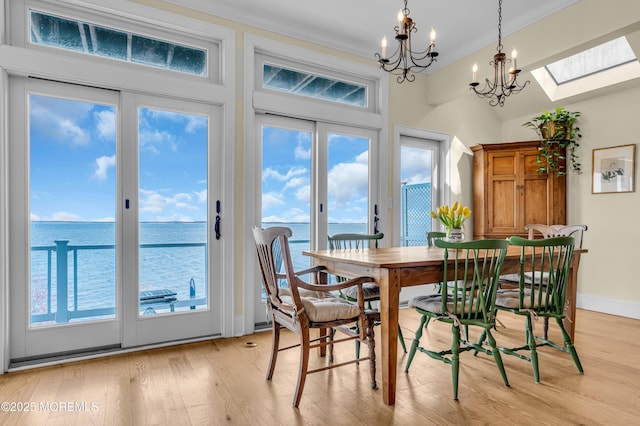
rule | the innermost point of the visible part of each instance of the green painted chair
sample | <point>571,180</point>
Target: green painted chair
<point>541,292</point>
<point>371,292</point>
<point>472,265</point>
<point>434,235</point>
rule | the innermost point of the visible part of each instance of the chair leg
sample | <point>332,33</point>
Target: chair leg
<point>531,342</point>
<point>416,341</point>
<point>401,337</point>
<point>304,365</point>
<point>455,359</point>
<point>569,345</point>
<point>496,356</point>
<point>546,328</point>
<point>274,349</point>
<point>371,341</point>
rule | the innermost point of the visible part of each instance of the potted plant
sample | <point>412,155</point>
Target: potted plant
<point>559,136</point>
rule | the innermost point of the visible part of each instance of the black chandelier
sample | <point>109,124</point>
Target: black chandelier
<point>504,81</point>
<point>405,61</point>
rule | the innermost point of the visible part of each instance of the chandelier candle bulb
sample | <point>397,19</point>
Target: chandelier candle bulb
<point>514,55</point>
<point>474,70</point>
<point>384,47</point>
<point>432,36</point>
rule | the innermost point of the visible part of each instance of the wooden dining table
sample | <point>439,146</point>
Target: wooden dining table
<point>395,267</point>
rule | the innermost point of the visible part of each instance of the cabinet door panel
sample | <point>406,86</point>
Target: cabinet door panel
<point>535,202</point>
<point>502,214</point>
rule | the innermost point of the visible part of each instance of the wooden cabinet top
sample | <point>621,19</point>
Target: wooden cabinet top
<point>505,145</point>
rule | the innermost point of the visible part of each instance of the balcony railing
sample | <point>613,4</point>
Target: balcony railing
<point>62,313</point>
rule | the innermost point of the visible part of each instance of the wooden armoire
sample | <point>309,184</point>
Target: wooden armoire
<point>508,191</point>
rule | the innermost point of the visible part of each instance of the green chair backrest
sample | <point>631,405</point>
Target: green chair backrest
<point>434,235</point>
<point>471,277</point>
<point>354,241</point>
<point>544,271</point>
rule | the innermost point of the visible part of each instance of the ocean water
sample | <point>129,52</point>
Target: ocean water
<point>93,268</point>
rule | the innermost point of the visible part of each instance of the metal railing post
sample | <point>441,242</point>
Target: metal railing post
<point>62,276</point>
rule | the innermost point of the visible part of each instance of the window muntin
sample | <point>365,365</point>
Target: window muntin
<point>303,83</point>
<point>79,36</point>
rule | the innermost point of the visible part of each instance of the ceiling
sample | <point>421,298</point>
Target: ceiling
<point>357,26</point>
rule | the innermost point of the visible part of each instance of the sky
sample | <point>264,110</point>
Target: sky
<point>73,167</point>
<point>73,162</point>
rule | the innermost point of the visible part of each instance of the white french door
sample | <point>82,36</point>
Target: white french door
<point>171,220</point>
<point>111,196</point>
<point>317,179</point>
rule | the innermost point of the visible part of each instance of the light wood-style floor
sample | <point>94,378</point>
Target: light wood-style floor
<point>222,382</point>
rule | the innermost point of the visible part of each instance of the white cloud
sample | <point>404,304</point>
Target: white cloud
<point>296,182</point>
<point>64,217</point>
<point>102,166</point>
<point>304,193</point>
<point>269,173</point>
<point>348,182</point>
<point>105,219</point>
<point>154,202</point>
<point>416,165</point>
<point>271,199</point>
<point>35,217</point>
<point>301,153</point>
<point>106,124</point>
<point>201,196</point>
<point>59,119</point>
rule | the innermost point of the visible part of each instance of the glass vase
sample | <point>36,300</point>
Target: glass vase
<point>455,235</point>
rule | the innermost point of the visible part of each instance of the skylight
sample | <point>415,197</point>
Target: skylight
<point>605,65</point>
<point>608,55</point>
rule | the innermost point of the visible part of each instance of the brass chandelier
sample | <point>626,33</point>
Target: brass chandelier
<point>405,61</point>
<point>504,80</point>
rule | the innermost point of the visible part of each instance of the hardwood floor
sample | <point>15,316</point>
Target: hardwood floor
<point>222,382</point>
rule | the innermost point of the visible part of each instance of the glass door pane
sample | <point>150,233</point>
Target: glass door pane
<point>173,206</point>
<point>417,171</point>
<point>72,197</point>
<point>347,184</point>
<point>286,186</point>
<point>64,294</point>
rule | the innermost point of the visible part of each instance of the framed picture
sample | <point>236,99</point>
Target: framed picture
<point>614,169</point>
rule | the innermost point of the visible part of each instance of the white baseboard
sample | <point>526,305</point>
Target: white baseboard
<point>618,307</point>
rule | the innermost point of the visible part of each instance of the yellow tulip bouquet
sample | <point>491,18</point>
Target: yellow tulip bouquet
<point>452,217</point>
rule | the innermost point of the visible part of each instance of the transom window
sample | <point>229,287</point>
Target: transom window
<point>79,36</point>
<point>315,86</point>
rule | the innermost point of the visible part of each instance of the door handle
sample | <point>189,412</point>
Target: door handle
<point>217,224</point>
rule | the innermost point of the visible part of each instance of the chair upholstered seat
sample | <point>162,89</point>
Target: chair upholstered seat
<point>370,292</point>
<point>433,303</point>
<point>509,298</point>
<point>528,278</point>
<point>324,307</point>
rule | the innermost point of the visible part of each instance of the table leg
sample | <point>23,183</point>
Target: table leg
<point>570,299</point>
<point>389,303</point>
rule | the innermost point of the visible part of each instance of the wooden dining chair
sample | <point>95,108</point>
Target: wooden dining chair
<point>541,292</point>
<point>473,265</point>
<point>371,291</point>
<point>302,306</point>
